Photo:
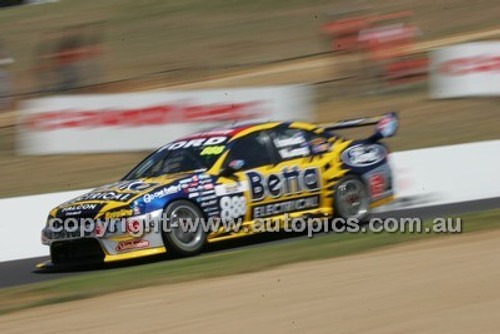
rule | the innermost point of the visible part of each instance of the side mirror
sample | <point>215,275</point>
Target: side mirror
<point>387,126</point>
<point>232,167</point>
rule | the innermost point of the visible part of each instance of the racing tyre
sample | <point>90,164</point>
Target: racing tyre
<point>184,238</point>
<point>351,199</point>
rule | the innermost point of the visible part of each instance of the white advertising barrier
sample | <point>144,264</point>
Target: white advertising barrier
<point>424,177</point>
<point>148,120</point>
<point>471,69</point>
<point>446,174</point>
<point>20,228</point>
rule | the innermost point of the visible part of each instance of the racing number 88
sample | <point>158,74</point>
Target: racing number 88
<point>232,207</point>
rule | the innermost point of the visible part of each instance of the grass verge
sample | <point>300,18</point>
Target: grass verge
<point>217,264</point>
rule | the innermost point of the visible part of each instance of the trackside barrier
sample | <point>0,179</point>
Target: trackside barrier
<point>446,174</point>
<point>423,177</point>
<point>24,218</point>
<point>464,70</point>
<point>139,121</point>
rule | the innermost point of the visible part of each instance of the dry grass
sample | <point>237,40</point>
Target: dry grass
<point>147,36</point>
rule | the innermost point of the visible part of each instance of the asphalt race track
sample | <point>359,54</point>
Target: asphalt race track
<point>20,272</point>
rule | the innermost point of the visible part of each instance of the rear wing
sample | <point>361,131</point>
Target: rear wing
<point>387,124</point>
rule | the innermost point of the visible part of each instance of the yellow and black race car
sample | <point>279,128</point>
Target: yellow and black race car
<point>246,173</point>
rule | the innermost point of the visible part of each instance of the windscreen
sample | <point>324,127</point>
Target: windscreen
<point>180,156</point>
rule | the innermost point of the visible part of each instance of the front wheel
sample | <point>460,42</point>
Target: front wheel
<point>185,235</point>
<point>351,199</point>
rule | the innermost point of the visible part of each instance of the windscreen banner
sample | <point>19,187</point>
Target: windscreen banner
<point>147,120</point>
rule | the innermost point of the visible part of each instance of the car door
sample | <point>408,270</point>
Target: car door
<point>279,175</point>
<point>300,162</point>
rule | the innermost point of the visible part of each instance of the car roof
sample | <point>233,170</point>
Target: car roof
<point>239,130</point>
<point>228,131</point>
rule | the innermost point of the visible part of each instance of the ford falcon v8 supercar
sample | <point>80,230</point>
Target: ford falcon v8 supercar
<point>246,173</point>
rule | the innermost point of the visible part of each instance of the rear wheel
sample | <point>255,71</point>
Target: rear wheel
<point>351,199</point>
<point>185,235</point>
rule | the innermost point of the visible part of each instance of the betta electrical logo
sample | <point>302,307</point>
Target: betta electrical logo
<point>289,181</point>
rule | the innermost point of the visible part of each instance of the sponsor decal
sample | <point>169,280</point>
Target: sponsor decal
<point>291,141</point>
<point>73,213</point>
<point>362,155</point>
<point>99,230</point>
<point>132,244</point>
<point>286,206</point>
<point>211,209</point>
<point>205,181</point>
<point>197,142</point>
<point>133,186</point>
<point>208,186</point>
<point>64,235</point>
<point>136,208</point>
<point>207,192</point>
<point>209,203</point>
<point>105,196</point>
<point>148,198</point>
<point>230,188</point>
<point>319,145</point>
<point>287,153</point>
<point>376,184</point>
<point>118,214</point>
<point>388,125</point>
<point>236,164</point>
<point>212,150</point>
<point>292,147</point>
<point>139,186</point>
<point>207,198</point>
<point>133,226</point>
<point>288,181</point>
<point>80,207</point>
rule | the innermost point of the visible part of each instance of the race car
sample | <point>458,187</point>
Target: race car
<point>244,173</point>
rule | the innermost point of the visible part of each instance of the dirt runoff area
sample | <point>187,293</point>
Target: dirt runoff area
<point>445,285</point>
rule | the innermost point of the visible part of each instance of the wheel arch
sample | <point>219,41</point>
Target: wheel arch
<point>190,200</point>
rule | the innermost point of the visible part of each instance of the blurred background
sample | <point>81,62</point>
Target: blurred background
<point>357,59</point>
